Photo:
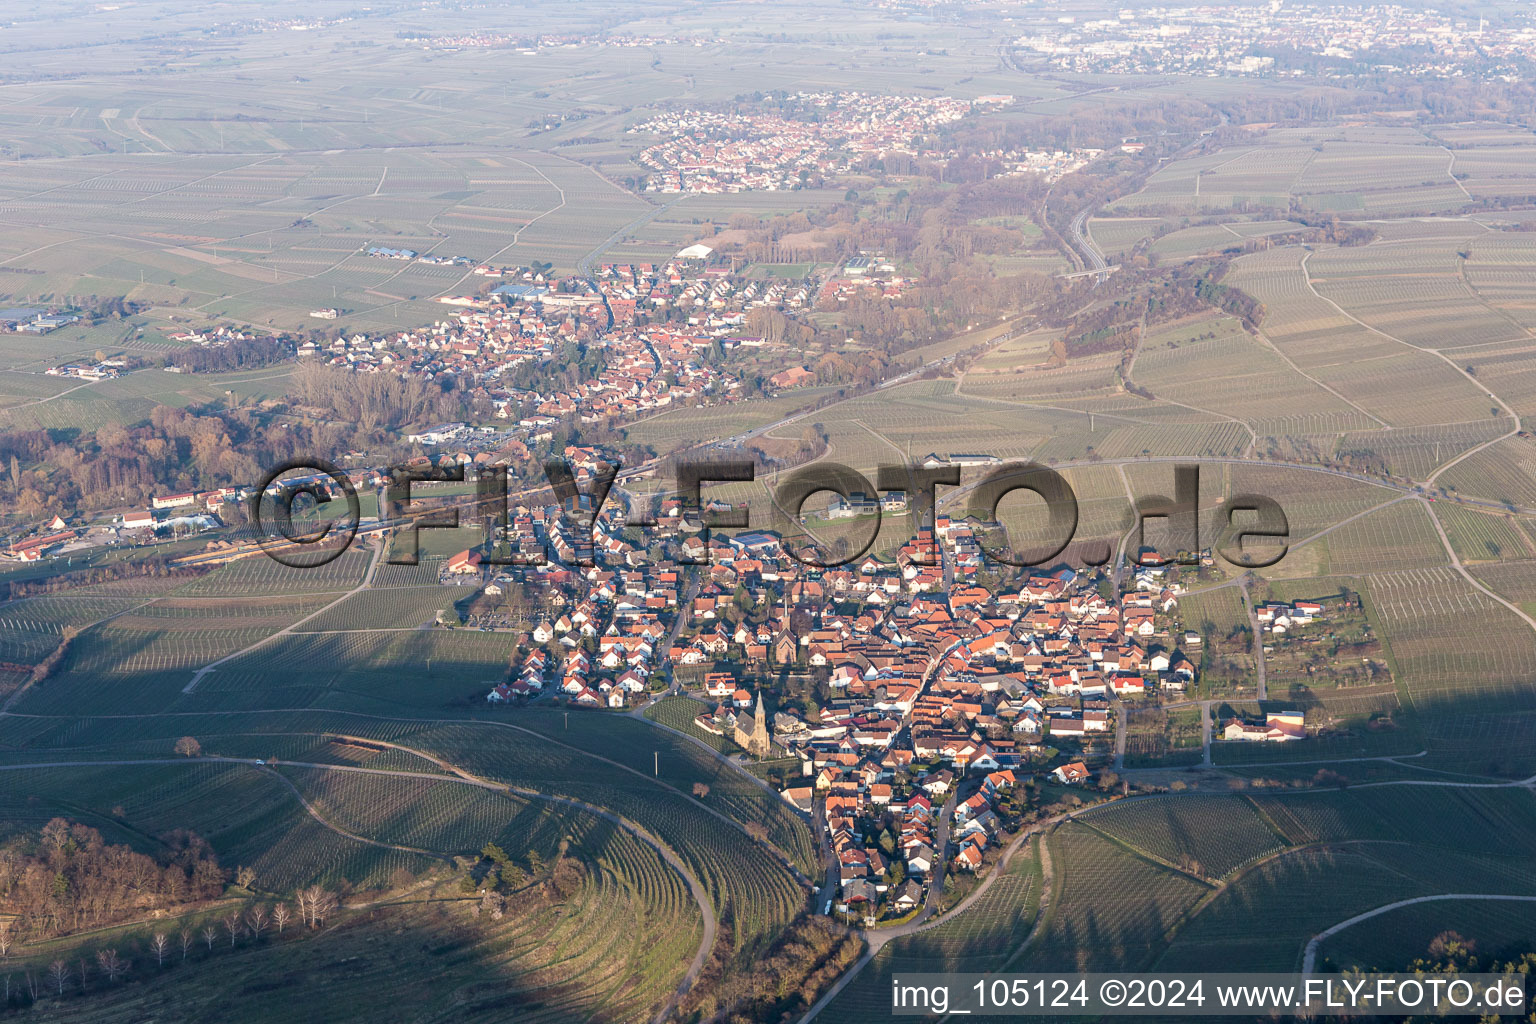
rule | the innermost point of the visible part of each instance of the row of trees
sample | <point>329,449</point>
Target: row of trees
<point>84,968</point>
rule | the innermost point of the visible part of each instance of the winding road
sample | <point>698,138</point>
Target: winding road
<point>1309,960</point>
<point>461,777</point>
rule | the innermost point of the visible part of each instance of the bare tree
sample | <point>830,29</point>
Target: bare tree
<point>186,942</point>
<point>160,945</point>
<point>280,916</point>
<point>6,939</point>
<point>256,920</point>
<point>315,903</point>
<point>209,934</point>
<point>85,973</point>
<point>58,971</point>
<point>112,965</point>
<point>306,898</point>
<point>188,747</point>
<point>232,926</point>
<point>325,906</point>
<point>245,877</point>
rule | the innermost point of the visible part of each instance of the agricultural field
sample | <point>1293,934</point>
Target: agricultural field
<point>1515,580</point>
<point>1015,353</point>
<point>1484,536</point>
<point>294,240</point>
<point>1206,836</point>
<point>1504,472</point>
<point>386,608</point>
<point>683,427</point>
<point>1113,909</point>
<point>1376,850</point>
<point>1413,290</point>
<point>249,816</point>
<point>388,669</point>
<point>1413,453</point>
<point>1215,366</point>
<point>1313,502</point>
<point>1450,644</point>
<point>735,871</point>
<point>1397,938</point>
<point>1340,170</point>
<point>1495,821</point>
<point>259,574</point>
<point>1399,536</point>
<point>628,965</point>
<point>1115,235</point>
<point>627,742</point>
<point>761,890</point>
<point>1158,737</point>
<point>1225,659</point>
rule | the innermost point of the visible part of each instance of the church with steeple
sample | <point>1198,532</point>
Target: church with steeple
<point>756,740</point>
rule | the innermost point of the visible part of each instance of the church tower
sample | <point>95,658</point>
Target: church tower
<point>757,742</point>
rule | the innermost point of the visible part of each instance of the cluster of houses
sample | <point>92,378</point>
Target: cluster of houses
<point>918,673</point>
<point>709,295</point>
<point>198,510</point>
<point>1050,164</point>
<point>819,133</point>
<point>50,538</point>
<point>107,369</point>
<point>868,275</point>
<point>213,337</point>
<point>869,881</point>
<point>976,820</point>
<point>412,256</point>
<point>1280,619</point>
<point>644,369</point>
<point>613,615</point>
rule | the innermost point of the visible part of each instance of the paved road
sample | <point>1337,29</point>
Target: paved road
<point>1258,640</point>
<point>1205,733</point>
<point>1476,583</point>
<point>936,877</point>
<point>1092,258</point>
<point>684,613</point>
<point>831,885</point>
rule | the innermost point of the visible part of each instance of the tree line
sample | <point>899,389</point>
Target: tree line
<point>65,877</point>
<point>92,968</point>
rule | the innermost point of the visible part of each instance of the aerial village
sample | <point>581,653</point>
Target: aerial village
<point>905,704</point>
<point>1244,41</point>
<point>664,333</point>
<point>910,701</point>
<point>814,135</point>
